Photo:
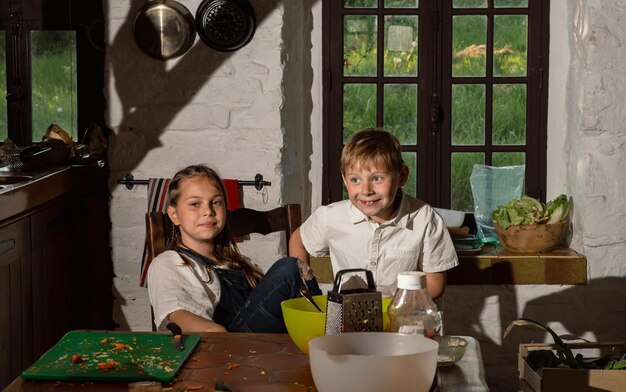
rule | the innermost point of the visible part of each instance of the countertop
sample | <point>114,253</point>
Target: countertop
<point>36,188</point>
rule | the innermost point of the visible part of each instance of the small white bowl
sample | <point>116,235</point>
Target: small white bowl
<point>451,218</point>
<point>451,350</point>
<point>373,361</point>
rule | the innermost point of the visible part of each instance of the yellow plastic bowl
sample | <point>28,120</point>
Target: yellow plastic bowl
<point>304,322</point>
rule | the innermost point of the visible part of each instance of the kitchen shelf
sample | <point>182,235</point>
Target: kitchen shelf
<point>493,265</point>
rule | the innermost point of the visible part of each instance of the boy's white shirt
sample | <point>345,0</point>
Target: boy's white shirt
<point>415,239</point>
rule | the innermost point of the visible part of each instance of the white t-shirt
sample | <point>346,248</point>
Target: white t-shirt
<point>175,283</point>
<point>415,239</point>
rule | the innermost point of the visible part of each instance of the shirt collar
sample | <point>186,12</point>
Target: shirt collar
<point>400,219</point>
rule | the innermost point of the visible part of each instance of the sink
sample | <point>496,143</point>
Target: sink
<point>8,180</point>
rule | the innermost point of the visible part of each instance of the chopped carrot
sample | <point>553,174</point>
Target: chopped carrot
<point>121,346</point>
<point>111,364</point>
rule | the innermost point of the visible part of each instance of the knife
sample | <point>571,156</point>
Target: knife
<point>178,335</point>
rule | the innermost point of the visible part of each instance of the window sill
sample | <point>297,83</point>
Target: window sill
<point>495,265</point>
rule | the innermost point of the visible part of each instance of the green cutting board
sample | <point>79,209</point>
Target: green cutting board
<point>136,356</point>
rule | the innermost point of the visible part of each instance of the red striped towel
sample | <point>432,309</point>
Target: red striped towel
<point>158,200</point>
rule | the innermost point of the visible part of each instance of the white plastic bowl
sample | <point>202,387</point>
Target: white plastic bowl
<point>451,218</point>
<point>373,361</point>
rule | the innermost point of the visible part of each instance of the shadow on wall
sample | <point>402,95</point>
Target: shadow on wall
<point>150,94</point>
<point>595,311</point>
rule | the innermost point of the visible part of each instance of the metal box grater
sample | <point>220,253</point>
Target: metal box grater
<point>354,310</point>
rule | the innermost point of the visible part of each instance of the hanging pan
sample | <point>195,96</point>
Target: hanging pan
<point>225,25</point>
<point>164,29</point>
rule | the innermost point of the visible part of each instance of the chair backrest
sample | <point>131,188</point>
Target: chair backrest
<point>242,221</point>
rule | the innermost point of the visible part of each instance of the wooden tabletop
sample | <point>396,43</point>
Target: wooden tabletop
<point>260,362</point>
<point>245,362</point>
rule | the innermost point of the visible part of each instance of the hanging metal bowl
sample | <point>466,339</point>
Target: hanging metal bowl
<point>164,29</point>
<point>225,25</point>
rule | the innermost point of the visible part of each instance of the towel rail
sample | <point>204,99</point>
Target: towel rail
<point>130,182</point>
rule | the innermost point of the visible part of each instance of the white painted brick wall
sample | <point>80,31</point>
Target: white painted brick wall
<point>205,107</point>
<point>253,103</point>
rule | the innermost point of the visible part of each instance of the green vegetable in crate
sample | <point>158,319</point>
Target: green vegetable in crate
<point>564,356</point>
<point>530,211</point>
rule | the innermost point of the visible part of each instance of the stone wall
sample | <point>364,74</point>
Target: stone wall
<point>243,112</point>
<point>258,110</point>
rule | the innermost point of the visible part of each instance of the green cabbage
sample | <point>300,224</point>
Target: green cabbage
<point>530,211</point>
<point>557,209</point>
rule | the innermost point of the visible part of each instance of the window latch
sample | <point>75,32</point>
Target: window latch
<point>436,114</point>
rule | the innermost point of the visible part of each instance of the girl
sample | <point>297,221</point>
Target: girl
<point>203,283</point>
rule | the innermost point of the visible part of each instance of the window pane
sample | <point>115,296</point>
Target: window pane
<point>509,114</point>
<point>469,4</point>
<point>410,158</point>
<point>53,81</point>
<point>468,114</point>
<point>469,37</point>
<point>359,108</point>
<point>359,45</point>
<point>400,108</point>
<point>500,159</point>
<point>4,133</point>
<point>401,45</point>
<point>402,3</point>
<point>461,189</point>
<point>510,3</point>
<point>360,3</point>
<point>510,45</point>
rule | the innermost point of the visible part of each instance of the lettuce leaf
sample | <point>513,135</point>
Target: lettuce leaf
<point>530,211</point>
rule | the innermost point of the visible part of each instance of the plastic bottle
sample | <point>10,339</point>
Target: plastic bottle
<point>411,310</point>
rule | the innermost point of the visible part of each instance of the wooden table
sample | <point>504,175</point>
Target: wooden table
<point>261,362</point>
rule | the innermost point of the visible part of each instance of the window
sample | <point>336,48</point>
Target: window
<point>459,82</point>
<point>46,47</point>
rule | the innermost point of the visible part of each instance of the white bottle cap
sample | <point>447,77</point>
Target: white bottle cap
<point>412,280</point>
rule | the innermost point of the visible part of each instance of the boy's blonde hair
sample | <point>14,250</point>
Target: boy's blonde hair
<point>372,146</point>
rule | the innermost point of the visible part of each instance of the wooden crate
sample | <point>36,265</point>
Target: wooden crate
<point>571,380</point>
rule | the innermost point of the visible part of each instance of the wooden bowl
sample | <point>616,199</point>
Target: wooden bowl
<point>531,238</point>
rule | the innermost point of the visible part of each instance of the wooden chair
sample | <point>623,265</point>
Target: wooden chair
<point>242,221</point>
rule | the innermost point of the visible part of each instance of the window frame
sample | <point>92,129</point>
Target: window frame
<point>434,147</point>
<point>21,17</point>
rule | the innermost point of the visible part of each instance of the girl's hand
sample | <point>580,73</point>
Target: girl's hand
<point>190,322</point>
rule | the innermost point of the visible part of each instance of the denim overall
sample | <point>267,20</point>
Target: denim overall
<point>242,308</point>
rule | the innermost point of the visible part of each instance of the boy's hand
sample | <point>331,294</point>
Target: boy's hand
<point>305,270</point>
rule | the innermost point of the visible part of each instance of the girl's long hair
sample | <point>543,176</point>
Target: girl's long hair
<point>225,250</point>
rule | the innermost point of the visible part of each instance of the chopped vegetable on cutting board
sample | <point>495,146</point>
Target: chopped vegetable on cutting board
<point>112,356</point>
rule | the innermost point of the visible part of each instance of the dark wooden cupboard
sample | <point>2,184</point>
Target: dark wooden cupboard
<point>55,271</point>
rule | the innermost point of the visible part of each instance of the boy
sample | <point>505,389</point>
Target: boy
<point>379,228</point>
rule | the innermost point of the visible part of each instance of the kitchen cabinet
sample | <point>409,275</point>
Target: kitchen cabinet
<point>34,286</point>
<point>49,228</point>
<point>16,334</point>
<point>55,264</point>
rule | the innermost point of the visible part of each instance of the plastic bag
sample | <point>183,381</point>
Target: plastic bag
<point>491,187</point>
